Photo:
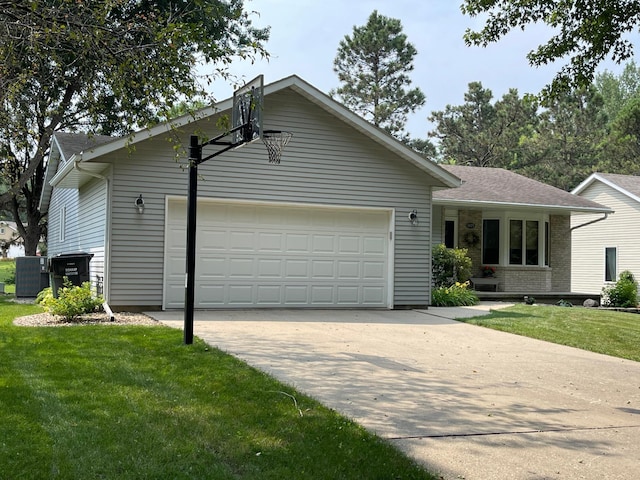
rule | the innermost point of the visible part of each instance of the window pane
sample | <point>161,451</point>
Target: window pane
<point>449,233</point>
<point>515,242</point>
<point>610,255</point>
<point>532,242</point>
<point>491,242</point>
<point>546,243</point>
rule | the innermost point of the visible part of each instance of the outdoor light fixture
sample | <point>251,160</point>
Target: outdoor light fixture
<point>139,203</point>
<point>413,217</point>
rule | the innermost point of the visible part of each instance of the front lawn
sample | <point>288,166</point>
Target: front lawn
<point>7,270</point>
<point>601,331</point>
<point>133,402</point>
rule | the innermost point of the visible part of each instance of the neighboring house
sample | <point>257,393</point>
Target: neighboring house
<point>513,223</point>
<point>604,249</point>
<point>328,227</point>
<point>11,244</point>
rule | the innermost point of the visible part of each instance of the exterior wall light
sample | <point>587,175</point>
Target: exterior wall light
<point>139,203</point>
<point>413,217</point>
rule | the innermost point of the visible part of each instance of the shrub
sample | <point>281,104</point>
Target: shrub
<point>623,294</point>
<point>10,274</point>
<point>72,300</point>
<point>450,265</point>
<point>456,295</point>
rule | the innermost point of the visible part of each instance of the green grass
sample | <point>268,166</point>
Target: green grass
<point>126,402</point>
<point>7,268</point>
<point>608,332</point>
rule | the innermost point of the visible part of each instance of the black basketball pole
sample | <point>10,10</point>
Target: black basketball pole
<point>195,158</point>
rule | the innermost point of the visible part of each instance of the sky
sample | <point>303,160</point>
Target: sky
<point>305,35</point>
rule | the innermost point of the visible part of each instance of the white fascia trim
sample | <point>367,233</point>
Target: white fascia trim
<point>594,176</point>
<point>504,205</point>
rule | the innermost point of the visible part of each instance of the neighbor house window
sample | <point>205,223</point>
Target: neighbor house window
<point>63,223</point>
<point>491,242</point>
<point>450,233</point>
<point>524,243</point>
<point>610,260</point>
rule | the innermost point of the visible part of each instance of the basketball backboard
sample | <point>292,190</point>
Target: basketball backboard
<point>246,114</point>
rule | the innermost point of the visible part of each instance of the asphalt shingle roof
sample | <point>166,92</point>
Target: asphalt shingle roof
<point>72,143</point>
<point>500,186</point>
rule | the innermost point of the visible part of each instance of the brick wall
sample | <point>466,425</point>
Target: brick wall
<point>560,252</point>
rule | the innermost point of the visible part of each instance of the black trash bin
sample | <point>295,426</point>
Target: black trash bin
<point>74,266</point>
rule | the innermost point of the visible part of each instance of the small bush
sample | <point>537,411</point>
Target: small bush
<point>449,265</point>
<point>72,300</point>
<point>457,295</point>
<point>9,272</point>
<point>623,294</point>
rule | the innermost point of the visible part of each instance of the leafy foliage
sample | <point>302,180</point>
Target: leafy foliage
<point>449,265</point>
<point>623,294</point>
<point>372,66</point>
<point>481,133</point>
<point>585,32</point>
<point>102,67</point>
<point>72,300</point>
<point>456,295</point>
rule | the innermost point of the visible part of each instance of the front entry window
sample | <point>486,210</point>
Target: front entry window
<point>524,243</point>
<point>491,242</point>
<point>450,234</point>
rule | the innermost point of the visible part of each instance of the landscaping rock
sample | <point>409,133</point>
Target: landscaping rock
<point>590,303</point>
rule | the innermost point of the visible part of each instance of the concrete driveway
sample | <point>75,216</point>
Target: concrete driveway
<point>465,401</point>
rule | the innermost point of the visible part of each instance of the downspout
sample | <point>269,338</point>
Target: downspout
<point>606,215</point>
<point>105,283</point>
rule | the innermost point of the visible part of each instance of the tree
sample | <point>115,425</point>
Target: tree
<point>586,32</point>
<point>618,90</point>
<point>480,133</point>
<point>621,149</point>
<point>372,66</point>
<point>565,147</point>
<point>106,67</point>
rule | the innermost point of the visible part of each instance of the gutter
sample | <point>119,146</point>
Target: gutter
<point>105,275</point>
<point>606,215</point>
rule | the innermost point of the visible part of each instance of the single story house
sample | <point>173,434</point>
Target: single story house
<point>518,226</point>
<point>608,246</point>
<point>328,227</point>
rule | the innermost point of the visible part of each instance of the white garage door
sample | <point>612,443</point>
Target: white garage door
<point>251,255</point>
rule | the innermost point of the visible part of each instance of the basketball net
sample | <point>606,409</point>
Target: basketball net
<point>275,142</point>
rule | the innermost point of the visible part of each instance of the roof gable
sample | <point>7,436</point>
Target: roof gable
<point>498,187</point>
<point>628,185</point>
<point>444,178</point>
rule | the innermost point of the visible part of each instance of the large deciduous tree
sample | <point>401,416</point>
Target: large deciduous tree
<point>373,65</point>
<point>101,66</point>
<point>583,32</point>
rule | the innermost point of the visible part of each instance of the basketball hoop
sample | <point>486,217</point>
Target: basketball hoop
<point>275,140</point>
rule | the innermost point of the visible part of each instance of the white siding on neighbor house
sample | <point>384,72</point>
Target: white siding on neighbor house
<point>84,226</point>
<point>326,163</point>
<point>621,230</point>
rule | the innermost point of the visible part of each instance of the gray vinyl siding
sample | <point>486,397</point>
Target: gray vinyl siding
<point>619,230</point>
<point>85,223</point>
<point>326,163</point>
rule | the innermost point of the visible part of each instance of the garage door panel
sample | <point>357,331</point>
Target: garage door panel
<point>296,243</point>
<point>323,244</point>
<point>270,242</point>
<point>322,269</point>
<point>270,256</point>
<point>296,269</point>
